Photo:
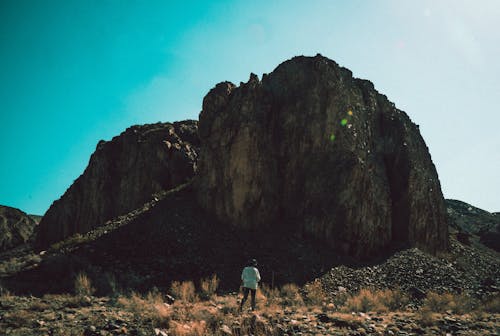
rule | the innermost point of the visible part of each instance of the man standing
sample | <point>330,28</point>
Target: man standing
<point>250,277</point>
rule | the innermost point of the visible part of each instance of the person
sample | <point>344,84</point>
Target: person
<point>250,278</point>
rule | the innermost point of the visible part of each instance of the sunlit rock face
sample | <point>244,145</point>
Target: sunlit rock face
<point>312,150</point>
<point>16,227</point>
<point>121,176</point>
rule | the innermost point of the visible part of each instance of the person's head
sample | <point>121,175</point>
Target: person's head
<point>252,262</point>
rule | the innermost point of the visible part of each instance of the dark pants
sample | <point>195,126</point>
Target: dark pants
<point>245,297</point>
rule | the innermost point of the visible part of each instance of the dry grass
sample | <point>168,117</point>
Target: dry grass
<point>375,300</point>
<point>393,299</point>
<point>208,286</point>
<point>18,319</point>
<point>364,301</point>
<point>39,306</point>
<point>290,295</point>
<point>272,295</point>
<point>315,294</point>
<point>151,306</point>
<point>426,317</point>
<point>184,291</point>
<point>193,328</point>
<point>83,285</point>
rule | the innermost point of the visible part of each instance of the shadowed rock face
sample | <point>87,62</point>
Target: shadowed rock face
<point>312,150</point>
<point>16,227</point>
<point>123,174</point>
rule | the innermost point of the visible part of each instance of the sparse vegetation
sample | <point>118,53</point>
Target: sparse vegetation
<point>184,291</point>
<point>375,300</point>
<point>279,312</point>
<point>290,295</point>
<point>441,303</point>
<point>315,294</point>
<point>83,285</point>
<point>208,286</point>
<point>492,304</point>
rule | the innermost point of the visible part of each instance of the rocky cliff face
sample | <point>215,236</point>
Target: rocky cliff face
<point>312,150</point>
<point>16,227</point>
<point>123,174</point>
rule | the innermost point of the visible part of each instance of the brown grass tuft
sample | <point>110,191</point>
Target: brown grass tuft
<point>315,294</point>
<point>426,317</point>
<point>195,328</point>
<point>151,306</point>
<point>440,303</point>
<point>291,295</point>
<point>376,300</point>
<point>208,286</point>
<point>83,285</point>
<point>184,291</point>
<point>18,319</point>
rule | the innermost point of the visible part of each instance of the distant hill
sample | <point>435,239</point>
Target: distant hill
<point>36,218</point>
<point>16,227</point>
<point>469,219</point>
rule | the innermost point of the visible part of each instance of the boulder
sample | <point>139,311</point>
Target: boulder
<point>311,150</point>
<point>122,175</point>
<point>16,227</point>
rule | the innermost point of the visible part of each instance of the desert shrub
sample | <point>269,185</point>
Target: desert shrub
<point>291,295</point>
<point>375,300</point>
<point>392,299</point>
<point>83,285</point>
<point>183,291</point>
<point>492,304</point>
<point>315,294</point>
<point>463,304</point>
<point>339,299</point>
<point>425,317</point>
<point>436,302</point>
<point>208,286</point>
<point>458,303</point>
<point>363,301</point>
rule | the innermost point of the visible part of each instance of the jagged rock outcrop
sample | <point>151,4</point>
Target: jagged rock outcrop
<point>16,227</point>
<point>312,150</point>
<point>122,175</point>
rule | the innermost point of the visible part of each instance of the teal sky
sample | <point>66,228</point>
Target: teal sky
<point>75,72</point>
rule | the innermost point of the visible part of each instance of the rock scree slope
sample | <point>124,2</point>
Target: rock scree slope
<point>16,227</point>
<point>311,150</point>
<point>122,175</point>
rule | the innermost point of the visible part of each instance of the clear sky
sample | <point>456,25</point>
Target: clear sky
<point>75,72</point>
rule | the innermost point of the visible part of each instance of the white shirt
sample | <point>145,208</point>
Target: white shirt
<point>250,277</point>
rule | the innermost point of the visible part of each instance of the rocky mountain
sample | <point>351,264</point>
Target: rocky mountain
<point>122,175</point>
<point>468,219</point>
<point>16,227</point>
<point>310,150</point>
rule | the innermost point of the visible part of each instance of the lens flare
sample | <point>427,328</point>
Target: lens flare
<point>343,122</point>
<point>350,113</point>
<point>332,137</point>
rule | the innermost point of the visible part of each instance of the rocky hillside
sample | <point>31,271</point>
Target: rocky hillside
<point>310,150</point>
<point>122,175</point>
<point>469,220</point>
<point>16,227</point>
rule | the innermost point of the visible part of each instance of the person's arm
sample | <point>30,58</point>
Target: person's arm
<point>257,275</point>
